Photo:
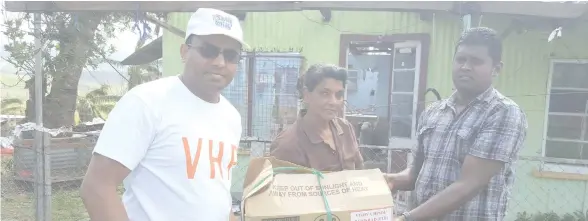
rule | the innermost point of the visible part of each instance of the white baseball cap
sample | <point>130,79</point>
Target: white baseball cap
<point>208,21</point>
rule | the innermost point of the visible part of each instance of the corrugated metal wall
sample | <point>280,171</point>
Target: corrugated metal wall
<point>320,41</point>
<point>526,59</point>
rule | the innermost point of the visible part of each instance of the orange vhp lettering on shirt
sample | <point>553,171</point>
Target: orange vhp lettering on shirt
<point>191,165</point>
<point>218,159</point>
<point>233,161</point>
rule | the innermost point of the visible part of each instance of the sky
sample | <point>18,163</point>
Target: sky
<point>124,43</point>
<point>105,74</point>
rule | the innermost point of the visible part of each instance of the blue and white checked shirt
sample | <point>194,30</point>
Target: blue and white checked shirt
<point>491,127</point>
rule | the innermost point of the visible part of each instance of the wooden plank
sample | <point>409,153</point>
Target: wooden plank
<point>538,9</point>
<point>189,6</point>
<point>150,6</point>
<point>532,8</point>
<point>554,160</point>
<point>379,5</point>
<point>559,176</point>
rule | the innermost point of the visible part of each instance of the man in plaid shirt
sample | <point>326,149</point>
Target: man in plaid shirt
<point>463,167</point>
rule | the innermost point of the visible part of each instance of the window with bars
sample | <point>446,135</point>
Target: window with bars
<point>567,111</point>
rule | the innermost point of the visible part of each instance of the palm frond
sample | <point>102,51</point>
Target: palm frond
<point>11,101</point>
<point>151,69</point>
<point>102,91</point>
<point>105,109</point>
<point>106,99</point>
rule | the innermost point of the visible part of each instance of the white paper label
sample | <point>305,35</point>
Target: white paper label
<point>372,215</point>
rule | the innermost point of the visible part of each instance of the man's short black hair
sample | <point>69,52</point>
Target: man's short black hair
<point>317,73</point>
<point>483,36</point>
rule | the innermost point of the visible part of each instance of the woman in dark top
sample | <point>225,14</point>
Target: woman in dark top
<point>319,139</point>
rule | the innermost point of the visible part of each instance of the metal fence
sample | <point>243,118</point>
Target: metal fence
<point>22,188</point>
<point>544,187</point>
<point>264,91</point>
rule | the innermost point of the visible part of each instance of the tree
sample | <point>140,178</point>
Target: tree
<point>73,41</point>
<point>139,74</point>
<point>96,103</point>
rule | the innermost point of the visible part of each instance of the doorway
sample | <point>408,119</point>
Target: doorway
<point>387,79</point>
<point>367,93</point>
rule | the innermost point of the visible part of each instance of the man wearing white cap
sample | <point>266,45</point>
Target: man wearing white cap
<point>173,141</point>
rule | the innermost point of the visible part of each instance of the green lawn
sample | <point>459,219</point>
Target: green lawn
<point>12,87</point>
<point>20,206</point>
<point>18,200</point>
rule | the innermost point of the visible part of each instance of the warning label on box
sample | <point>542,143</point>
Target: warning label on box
<point>372,215</point>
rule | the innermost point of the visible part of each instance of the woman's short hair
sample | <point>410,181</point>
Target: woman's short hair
<point>317,73</point>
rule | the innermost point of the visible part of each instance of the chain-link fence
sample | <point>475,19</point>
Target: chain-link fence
<point>545,189</point>
<point>264,92</point>
<point>549,189</point>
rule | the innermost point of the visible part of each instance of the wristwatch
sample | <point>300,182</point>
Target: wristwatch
<point>406,216</point>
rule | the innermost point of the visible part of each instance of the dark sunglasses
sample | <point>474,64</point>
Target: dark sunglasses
<point>210,51</point>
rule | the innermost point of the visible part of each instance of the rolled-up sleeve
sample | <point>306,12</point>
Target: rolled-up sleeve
<point>501,136</point>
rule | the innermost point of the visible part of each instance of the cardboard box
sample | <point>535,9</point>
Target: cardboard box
<point>276,190</point>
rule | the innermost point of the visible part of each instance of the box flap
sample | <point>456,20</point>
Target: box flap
<point>261,171</point>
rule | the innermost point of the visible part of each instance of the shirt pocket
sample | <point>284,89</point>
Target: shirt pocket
<point>426,138</point>
<point>425,131</point>
<point>464,141</point>
<point>348,152</point>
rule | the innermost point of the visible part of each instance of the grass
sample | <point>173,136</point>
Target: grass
<point>18,200</point>
<point>12,87</point>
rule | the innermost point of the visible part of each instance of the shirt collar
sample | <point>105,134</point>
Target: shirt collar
<point>485,96</point>
<point>313,134</point>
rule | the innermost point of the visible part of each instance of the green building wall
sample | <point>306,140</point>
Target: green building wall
<point>526,57</point>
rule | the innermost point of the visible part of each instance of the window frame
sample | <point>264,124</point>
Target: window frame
<point>352,80</point>
<point>417,90</point>
<point>551,165</point>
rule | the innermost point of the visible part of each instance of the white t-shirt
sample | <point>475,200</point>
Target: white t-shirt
<point>179,148</point>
